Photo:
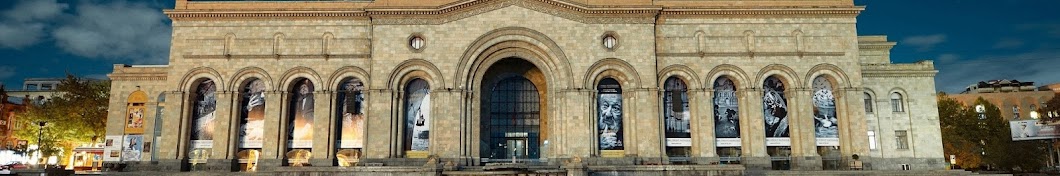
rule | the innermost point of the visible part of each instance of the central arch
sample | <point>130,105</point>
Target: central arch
<point>511,116</point>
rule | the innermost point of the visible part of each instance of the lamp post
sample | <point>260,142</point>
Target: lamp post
<point>40,138</point>
<point>981,110</point>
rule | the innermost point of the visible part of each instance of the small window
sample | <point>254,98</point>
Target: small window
<point>896,102</point>
<point>868,102</point>
<point>45,87</point>
<point>872,140</point>
<point>1015,112</point>
<point>902,137</point>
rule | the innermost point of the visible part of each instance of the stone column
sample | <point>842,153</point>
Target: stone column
<point>853,137</point>
<point>752,130</point>
<point>324,123</point>
<point>169,147</point>
<point>378,137</point>
<point>220,159</point>
<point>273,145</point>
<point>803,142</point>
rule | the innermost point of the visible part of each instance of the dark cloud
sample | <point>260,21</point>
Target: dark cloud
<point>116,30</point>
<point>1036,66</point>
<point>1008,43</point>
<point>26,22</point>
<point>924,42</point>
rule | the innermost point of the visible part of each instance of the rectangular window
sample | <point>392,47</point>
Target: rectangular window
<point>872,140</point>
<point>902,137</point>
<point>45,87</point>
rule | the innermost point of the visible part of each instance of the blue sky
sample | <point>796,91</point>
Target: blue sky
<point>970,40</point>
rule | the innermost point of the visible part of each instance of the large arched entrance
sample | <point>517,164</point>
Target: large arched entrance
<point>513,92</point>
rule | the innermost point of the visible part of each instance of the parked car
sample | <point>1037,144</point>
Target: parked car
<point>16,165</point>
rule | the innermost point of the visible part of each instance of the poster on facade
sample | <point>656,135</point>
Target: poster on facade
<point>726,113</point>
<point>418,114</point>
<point>134,120</point>
<point>351,109</point>
<point>132,147</point>
<point>253,120</point>
<point>1032,130</point>
<point>609,108</point>
<point>301,117</point>
<point>112,148</point>
<point>826,123</point>
<point>675,100</point>
<point>203,115</point>
<point>775,109</point>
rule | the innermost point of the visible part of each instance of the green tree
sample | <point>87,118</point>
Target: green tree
<point>959,132</point>
<point>77,114</point>
<point>987,142</point>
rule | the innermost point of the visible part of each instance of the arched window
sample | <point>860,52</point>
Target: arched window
<point>896,102</point>
<point>417,118</point>
<point>727,120</point>
<point>868,102</point>
<point>775,114</point>
<point>350,106</point>
<point>609,116</point>
<point>251,123</point>
<point>202,121</point>
<point>676,114</point>
<point>826,123</point>
<point>300,122</point>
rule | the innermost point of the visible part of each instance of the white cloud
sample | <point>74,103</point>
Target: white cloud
<point>6,72</point>
<point>1008,43</point>
<point>1036,66</point>
<point>924,42</point>
<point>117,30</point>
<point>948,58</point>
<point>25,23</point>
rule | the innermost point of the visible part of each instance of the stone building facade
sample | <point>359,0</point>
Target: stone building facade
<point>576,85</point>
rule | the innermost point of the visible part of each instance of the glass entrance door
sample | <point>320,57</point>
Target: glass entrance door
<point>516,149</point>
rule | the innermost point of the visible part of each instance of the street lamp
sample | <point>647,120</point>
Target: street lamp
<point>40,137</point>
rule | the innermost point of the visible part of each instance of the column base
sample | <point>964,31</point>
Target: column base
<point>806,163</point>
<point>757,163</point>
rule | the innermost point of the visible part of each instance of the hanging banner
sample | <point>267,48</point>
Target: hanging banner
<point>253,127</point>
<point>351,109</point>
<point>1032,130</point>
<point>132,147</point>
<point>726,114</point>
<point>775,108</point>
<point>826,128</point>
<point>301,118</point>
<point>418,115</point>
<point>134,122</point>
<point>112,148</point>
<point>675,100</point>
<point>203,115</point>
<point>609,108</point>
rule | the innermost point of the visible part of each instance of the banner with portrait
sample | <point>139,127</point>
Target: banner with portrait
<point>351,109</point>
<point>609,109</point>
<point>418,115</point>
<point>676,113</point>
<point>132,148</point>
<point>253,115</point>
<point>826,128</point>
<point>203,115</point>
<point>726,113</point>
<point>1032,130</point>
<point>775,109</point>
<point>301,115</point>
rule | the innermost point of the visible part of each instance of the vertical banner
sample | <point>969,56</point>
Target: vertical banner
<point>134,122</point>
<point>112,148</point>
<point>826,128</point>
<point>726,113</point>
<point>609,108</point>
<point>775,107</point>
<point>351,109</point>
<point>675,100</point>
<point>418,111</point>
<point>253,115</point>
<point>301,117</point>
<point>132,147</point>
<point>203,115</point>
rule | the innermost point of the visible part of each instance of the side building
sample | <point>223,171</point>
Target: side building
<point>549,85</point>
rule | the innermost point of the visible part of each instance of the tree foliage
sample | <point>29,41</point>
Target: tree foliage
<point>77,114</point>
<point>985,143</point>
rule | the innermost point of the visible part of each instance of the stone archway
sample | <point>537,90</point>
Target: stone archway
<point>512,118</point>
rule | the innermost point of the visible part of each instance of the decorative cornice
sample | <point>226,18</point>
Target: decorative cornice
<point>279,56</point>
<point>194,15</point>
<point>748,54</point>
<point>576,12</point>
<point>679,12</point>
